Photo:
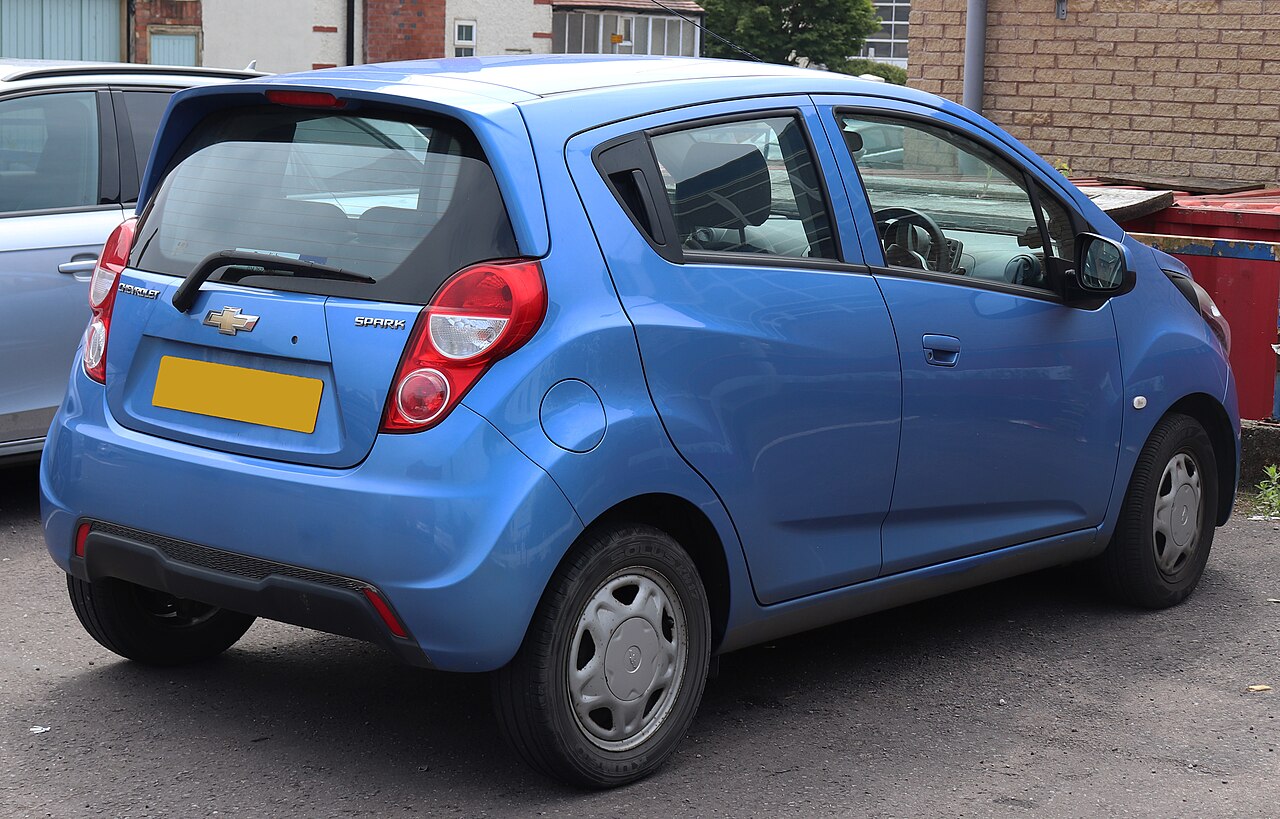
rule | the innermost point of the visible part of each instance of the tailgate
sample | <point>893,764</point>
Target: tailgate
<point>284,376</point>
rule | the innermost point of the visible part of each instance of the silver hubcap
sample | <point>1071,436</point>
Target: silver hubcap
<point>1176,528</point>
<point>628,659</point>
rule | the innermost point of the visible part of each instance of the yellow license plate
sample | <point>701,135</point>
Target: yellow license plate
<point>238,393</point>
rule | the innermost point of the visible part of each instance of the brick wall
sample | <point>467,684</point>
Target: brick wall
<point>403,30</point>
<point>1150,87</point>
<point>160,13</point>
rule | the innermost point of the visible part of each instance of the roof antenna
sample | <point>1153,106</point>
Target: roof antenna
<point>703,28</point>
<point>252,66</point>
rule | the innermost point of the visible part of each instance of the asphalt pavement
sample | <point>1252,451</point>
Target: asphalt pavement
<point>1031,697</point>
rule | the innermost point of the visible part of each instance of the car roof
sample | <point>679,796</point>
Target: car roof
<point>19,70</point>
<point>517,77</point>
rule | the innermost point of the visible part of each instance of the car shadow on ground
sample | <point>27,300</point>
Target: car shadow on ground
<point>19,490</point>
<point>346,718</point>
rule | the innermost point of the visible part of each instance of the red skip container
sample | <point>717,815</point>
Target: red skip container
<point>1232,245</point>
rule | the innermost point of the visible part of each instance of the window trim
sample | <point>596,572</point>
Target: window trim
<point>130,170</point>
<point>458,40</point>
<point>108,154</point>
<point>1033,187</point>
<point>722,257</point>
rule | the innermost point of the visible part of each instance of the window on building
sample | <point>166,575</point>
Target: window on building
<point>889,44</point>
<point>586,32</point>
<point>173,46</point>
<point>464,38</point>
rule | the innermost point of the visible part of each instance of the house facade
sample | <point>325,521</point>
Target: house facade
<point>296,35</point>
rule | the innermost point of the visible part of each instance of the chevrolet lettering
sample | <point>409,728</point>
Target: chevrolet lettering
<point>134,290</point>
<point>689,355</point>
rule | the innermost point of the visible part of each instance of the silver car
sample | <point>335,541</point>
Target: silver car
<point>74,139</point>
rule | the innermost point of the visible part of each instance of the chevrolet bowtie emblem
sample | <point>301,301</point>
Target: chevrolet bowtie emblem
<point>229,321</point>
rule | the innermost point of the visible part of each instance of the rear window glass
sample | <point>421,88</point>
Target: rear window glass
<point>402,201</point>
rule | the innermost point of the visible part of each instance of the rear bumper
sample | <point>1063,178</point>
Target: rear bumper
<point>318,600</point>
<point>457,530</point>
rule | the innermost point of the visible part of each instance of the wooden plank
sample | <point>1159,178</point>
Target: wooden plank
<point>1190,184</point>
<point>1125,205</point>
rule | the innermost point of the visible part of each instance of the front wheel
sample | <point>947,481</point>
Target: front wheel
<point>153,627</point>
<point>1165,531</point>
<point>614,663</point>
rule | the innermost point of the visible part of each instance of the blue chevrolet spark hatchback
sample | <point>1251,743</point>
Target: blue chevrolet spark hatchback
<point>586,370</point>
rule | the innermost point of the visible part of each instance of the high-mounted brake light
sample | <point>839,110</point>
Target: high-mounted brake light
<point>102,297</point>
<point>480,315</point>
<point>305,99</point>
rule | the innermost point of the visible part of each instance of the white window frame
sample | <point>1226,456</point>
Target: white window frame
<point>458,39</point>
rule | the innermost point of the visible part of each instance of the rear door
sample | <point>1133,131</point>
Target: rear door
<point>1012,400</point>
<point>59,199</point>
<point>767,346</point>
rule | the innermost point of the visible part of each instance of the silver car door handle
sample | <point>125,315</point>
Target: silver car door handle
<point>78,266</point>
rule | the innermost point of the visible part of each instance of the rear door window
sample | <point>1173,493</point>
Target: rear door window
<point>403,201</point>
<point>49,152</point>
<point>748,186</point>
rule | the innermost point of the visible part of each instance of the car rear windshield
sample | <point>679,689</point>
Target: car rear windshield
<point>406,202</point>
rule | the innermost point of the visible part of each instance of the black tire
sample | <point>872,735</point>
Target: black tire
<point>1152,563</point>
<point>152,627</point>
<point>534,693</point>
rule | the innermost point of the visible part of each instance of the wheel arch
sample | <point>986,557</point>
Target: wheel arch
<point>695,533</point>
<point>1213,418</point>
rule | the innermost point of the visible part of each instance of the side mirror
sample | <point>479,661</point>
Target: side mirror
<point>1100,266</point>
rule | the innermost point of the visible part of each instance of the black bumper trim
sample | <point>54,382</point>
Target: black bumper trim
<point>264,588</point>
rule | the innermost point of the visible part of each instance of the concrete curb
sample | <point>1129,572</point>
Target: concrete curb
<point>1259,448</point>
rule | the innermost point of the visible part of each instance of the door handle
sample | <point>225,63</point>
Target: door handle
<point>941,351</point>
<point>79,265</point>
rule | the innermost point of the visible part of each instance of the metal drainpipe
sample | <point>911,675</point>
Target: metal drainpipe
<point>351,32</point>
<point>975,53</point>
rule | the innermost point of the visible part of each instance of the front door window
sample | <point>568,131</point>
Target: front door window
<point>946,204</point>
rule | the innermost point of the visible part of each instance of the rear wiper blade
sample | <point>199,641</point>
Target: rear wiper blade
<point>271,264</point>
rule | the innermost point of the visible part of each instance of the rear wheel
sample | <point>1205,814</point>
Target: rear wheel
<point>614,663</point>
<point>153,627</point>
<point>1162,541</point>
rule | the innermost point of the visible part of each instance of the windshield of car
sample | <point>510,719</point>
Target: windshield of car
<point>404,202</point>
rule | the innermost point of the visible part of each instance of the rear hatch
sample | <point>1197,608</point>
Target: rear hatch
<point>331,230</point>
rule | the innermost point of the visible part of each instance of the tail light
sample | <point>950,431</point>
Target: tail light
<point>102,297</point>
<point>1213,316</point>
<point>484,312</point>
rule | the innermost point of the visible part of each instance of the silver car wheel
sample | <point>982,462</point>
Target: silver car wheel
<point>628,659</point>
<point>1178,509</point>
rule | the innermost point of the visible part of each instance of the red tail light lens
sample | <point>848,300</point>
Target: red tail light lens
<point>1213,317</point>
<point>102,297</point>
<point>480,315</point>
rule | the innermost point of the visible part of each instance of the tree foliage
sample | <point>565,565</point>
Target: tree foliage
<point>858,67</point>
<point>826,32</point>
